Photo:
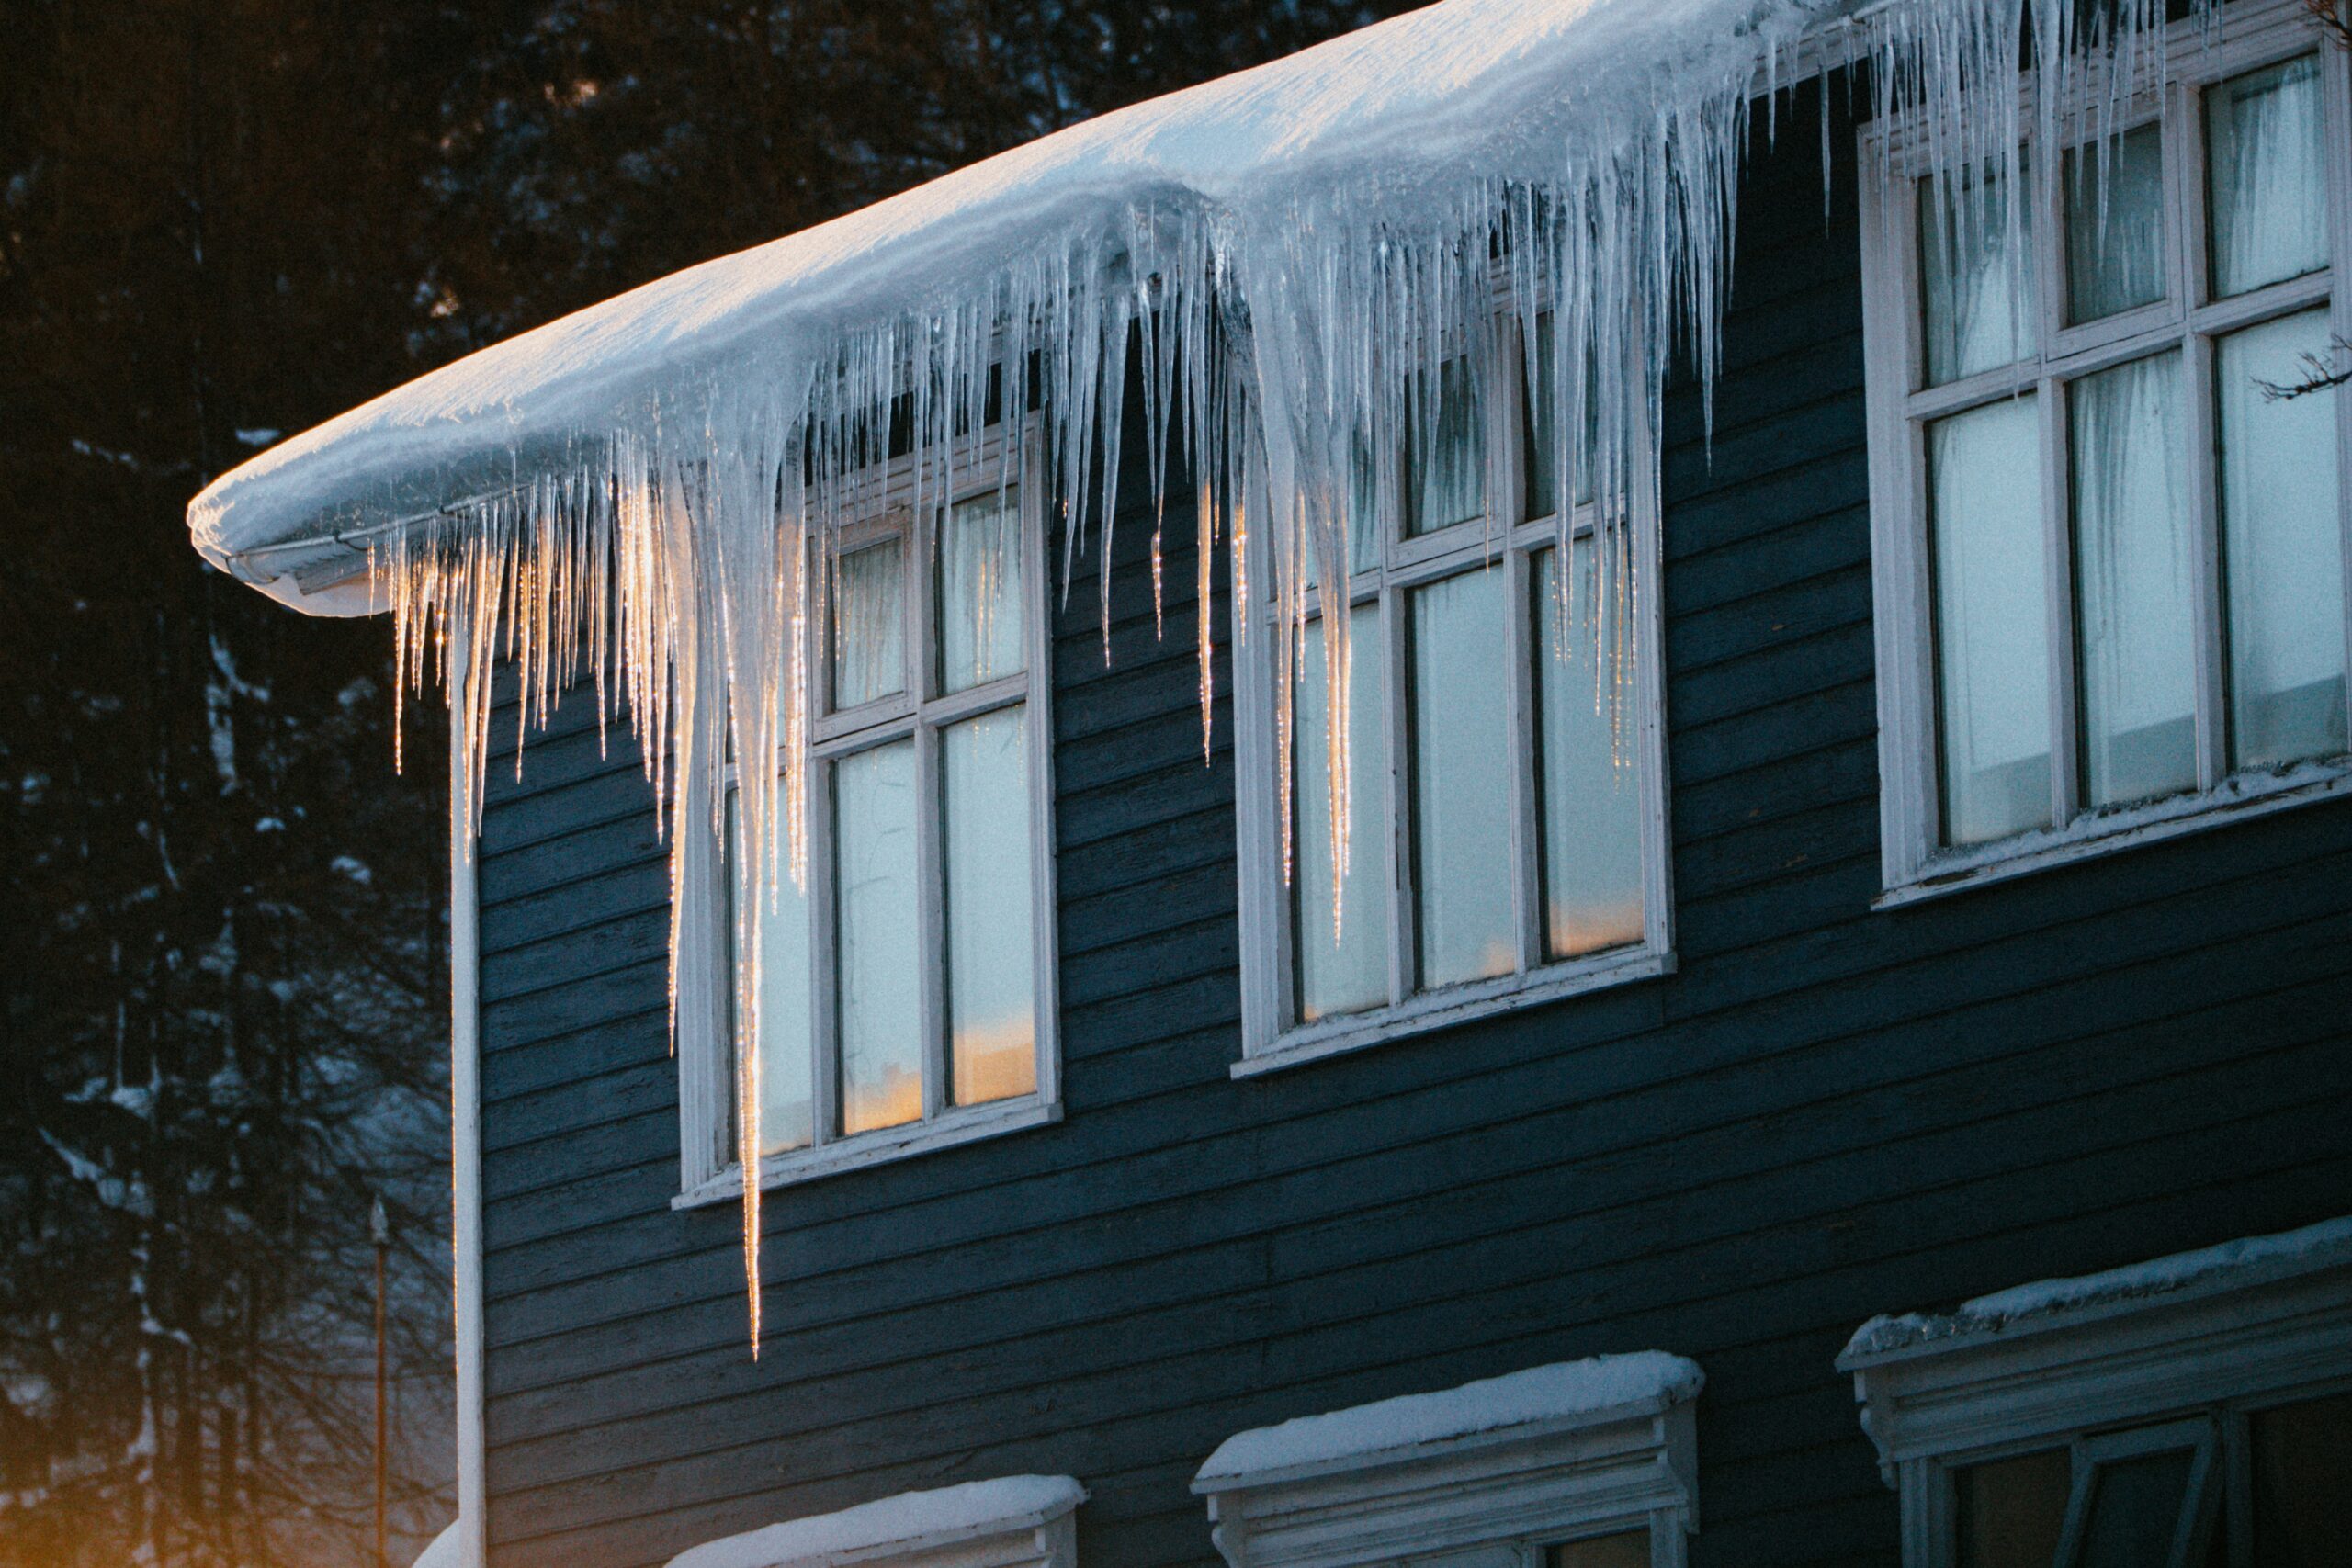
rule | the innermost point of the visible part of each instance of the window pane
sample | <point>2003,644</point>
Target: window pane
<point>869,612</point>
<point>2135,595</point>
<point>1539,429</point>
<point>1979,307</point>
<point>1344,970</point>
<point>2008,1513</point>
<point>1992,636</point>
<point>2302,1476</point>
<point>785,1065</point>
<point>980,627</point>
<point>877,910</point>
<point>2135,1510</point>
<point>2282,545</point>
<point>1448,485</point>
<point>1362,519</point>
<point>1591,795</point>
<point>1462,750</point>
<point>991,993</point>
<point>1629,1549</point>
<point>2264,159</point>
<point>2115,224</point>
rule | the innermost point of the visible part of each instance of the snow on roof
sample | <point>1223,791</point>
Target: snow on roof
<point>910,1520</point>
<point>1561,1394</point>
<point>2050,1303</point>
<point>1460,91</point>
<point>443,1551</point>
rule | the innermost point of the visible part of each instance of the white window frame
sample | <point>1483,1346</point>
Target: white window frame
<point>2250,34</point>
<point>710,1171</point>
<point>2100,1375</point>
<point>1502,1497</point>
<point>1271,1036</point>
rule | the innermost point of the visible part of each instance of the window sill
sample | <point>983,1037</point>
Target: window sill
<point>2239,798</point>
<point>964,1126</point>
<point>1455,1004</point>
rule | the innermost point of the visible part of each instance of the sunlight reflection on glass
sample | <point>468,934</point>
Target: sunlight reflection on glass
<point>785,1067</point>
<point>877,910</point>
<point>1345,972</point>
<point>991,990</point>
<point>1590,800</point>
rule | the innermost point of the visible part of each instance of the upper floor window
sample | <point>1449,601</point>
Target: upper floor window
<point>2110,558</point>
<point>1506,817</point>
<point>906,989</point>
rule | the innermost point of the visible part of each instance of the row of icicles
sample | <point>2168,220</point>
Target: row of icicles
<point>682,561</point>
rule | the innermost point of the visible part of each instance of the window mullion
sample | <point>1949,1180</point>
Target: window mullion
<point>1403,916</point>
<point>2058,536</point>
<point>2205,567</point>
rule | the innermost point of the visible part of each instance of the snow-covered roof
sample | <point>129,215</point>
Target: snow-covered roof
<point>1564,1394</point>
<point>2054,1303</point>
<point>1461,92</point>
<point>908,1522</point>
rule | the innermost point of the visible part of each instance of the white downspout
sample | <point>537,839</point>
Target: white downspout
<point>465,1116</point>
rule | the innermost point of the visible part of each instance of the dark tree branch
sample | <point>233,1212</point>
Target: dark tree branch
<point>2331,17</point>
<point>2320,376</point>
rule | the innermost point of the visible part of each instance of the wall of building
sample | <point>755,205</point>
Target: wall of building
<point>1825,1112</point>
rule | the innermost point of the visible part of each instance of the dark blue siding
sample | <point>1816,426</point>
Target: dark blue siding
<point>1825,1112</point>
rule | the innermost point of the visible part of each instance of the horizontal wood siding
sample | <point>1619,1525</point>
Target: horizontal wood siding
<point>1824,1112</point>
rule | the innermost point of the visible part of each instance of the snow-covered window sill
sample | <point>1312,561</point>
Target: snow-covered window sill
<point>1017,1521</point>
<point>1456,1004</point>
<point>1537,1467</point>
<point>967,1124</point>
<point>2240,798</point>
<point>2184,1355</point>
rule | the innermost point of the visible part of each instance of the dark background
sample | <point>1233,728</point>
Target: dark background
<point>222,926</point>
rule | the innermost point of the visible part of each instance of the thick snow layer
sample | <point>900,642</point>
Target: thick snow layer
<point>443,1553</point>
<point>2044,1301</point>
<point>1560,1393</point>
<point>1463,90</point>
<point>950,1512</point>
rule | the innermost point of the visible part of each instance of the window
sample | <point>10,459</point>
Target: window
<point>1580,1464</point>
<point>2194,1412</point>
<point>2112,582</point>
<point>906,989</point>
<point>1506,813</point>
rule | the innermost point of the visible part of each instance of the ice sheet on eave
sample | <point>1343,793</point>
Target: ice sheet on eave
<point>1595,1387</point>
<point>1463,90</point>
<point>2048,1301</point>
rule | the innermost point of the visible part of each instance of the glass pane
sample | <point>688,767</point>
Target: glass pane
<point>1992,631</point>
<point>2302,1479</point>
<point>1362,519</point>
<point>877,910</point>
<point>2263,158</point>
<point>2008,1513</point>
<point>1539,429</point>
<point>1979,306</point>
<point>2135,1510</point>
<point>1346,969</point>
<point>786,1068</point>
<point>980,627</point>
<point>2115,224</point>
<point>1629,1549</point>
<point>1462,750</point>
<point>1591,796</point>
<point>2282,547</point>
<point>2134,587</point>
<point>869,612</point>
<point>991,984</point>
<point>1449,485</point>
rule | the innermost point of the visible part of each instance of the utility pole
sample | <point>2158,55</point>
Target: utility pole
<point>380,1231</point>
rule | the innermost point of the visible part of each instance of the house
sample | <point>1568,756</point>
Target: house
<point>1815,1033</point>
